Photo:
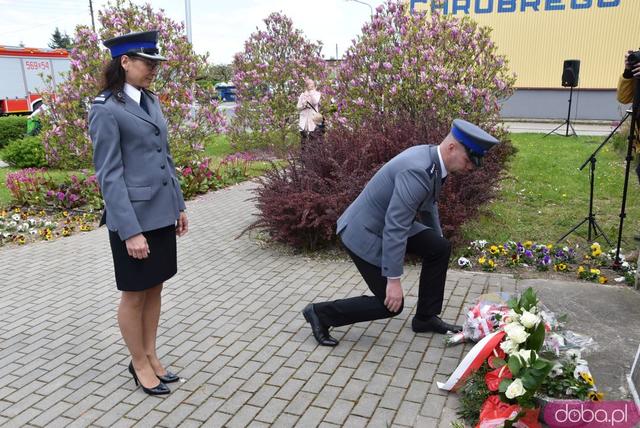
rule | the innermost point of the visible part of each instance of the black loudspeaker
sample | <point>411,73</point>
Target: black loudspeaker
<point>570,73</point>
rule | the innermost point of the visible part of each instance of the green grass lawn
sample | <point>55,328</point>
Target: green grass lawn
<point>218,146</point>
<point>544,194</point>
<point>5,196</point>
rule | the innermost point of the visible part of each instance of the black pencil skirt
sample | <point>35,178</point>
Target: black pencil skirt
<point>138,275</point>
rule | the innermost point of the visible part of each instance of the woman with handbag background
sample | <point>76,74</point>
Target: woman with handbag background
<point>144,205</point>
<point>311,120</point>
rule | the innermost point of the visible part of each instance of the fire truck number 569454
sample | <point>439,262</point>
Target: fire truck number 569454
<point>23,73</point>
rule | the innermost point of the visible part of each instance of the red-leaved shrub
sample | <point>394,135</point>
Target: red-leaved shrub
<point>300,203</point>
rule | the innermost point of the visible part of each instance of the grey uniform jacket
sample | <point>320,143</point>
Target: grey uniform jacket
<point>133,164</point>
<point>378,223</point>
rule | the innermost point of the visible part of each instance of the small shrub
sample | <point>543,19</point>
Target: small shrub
<point>12,128</point>
<point>25,153</point>
<point>75,192</point>
<point>27,185</point>
<point>200,176</point>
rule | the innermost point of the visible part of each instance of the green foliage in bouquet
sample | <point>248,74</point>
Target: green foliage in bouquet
<point>528,302</point>
<point>528,376</point>
<point>558,386</point>
<point>473,394</point>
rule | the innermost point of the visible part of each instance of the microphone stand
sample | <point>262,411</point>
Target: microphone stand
<point>591,217</point>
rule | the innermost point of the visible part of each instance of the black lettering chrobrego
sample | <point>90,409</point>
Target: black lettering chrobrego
<point>459,7</point>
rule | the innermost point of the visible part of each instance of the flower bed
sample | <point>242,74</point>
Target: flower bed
<point>200,176</point>
<point>589,263</point>
<point>21,226</point>
<point>45,208</point>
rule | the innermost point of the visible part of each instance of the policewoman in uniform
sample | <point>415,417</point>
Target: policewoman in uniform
<point>144,206</point>
<point>396,213</point>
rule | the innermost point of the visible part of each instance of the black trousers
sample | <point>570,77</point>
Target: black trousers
<point>428,245</point>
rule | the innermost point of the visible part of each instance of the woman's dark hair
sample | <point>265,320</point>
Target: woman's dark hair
<point>113,76</point>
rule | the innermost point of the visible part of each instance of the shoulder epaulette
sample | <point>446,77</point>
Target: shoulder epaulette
<point>102,97</point>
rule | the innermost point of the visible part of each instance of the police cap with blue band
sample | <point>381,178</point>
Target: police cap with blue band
<point>143,45</point>
<point>475,140</point>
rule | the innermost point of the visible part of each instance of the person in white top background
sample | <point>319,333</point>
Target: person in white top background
<point>309,108</point>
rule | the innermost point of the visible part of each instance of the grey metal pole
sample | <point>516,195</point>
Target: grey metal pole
<point>93,23</point>
<point>364,3</point>
<point>187,8</point>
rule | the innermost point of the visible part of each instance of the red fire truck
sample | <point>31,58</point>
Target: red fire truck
<point>22,73</point>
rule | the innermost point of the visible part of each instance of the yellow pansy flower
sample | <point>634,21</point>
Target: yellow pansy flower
<point>481,260</point>
<point>527,244</point>
<point>560,267</point>
<point>587,378</point>
<point>493,249</point>
<point>602,279</point>
<point>595,396</point>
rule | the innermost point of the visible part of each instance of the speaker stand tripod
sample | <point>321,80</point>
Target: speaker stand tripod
<point>566,122</point>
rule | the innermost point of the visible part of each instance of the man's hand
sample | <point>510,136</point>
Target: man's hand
<point>627,66</point>
<point>393,301</point>
<point>137,247</point>
<point>183,224</point>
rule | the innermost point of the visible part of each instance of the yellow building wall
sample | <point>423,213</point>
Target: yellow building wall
<point>536,42</point>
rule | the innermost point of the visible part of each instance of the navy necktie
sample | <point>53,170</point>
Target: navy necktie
<point>143,103</point>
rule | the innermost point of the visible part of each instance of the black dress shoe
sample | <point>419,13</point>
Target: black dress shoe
<point>169,377</point>
<point>160,389</point>
<point>320,332</point>
<point>433,324</point>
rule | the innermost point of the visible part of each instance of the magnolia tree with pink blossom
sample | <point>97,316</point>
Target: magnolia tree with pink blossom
<point>190,112</point>
<point>422,66</point>
<point>269,77</point>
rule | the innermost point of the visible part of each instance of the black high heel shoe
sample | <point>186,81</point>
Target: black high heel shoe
<point>160,389</point>
<point>169,377</point>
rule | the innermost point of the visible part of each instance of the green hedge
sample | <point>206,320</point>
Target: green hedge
<point>25,153</point>
<point>12,128</point>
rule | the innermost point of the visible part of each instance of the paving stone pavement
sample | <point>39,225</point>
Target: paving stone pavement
<point>230,325</point>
